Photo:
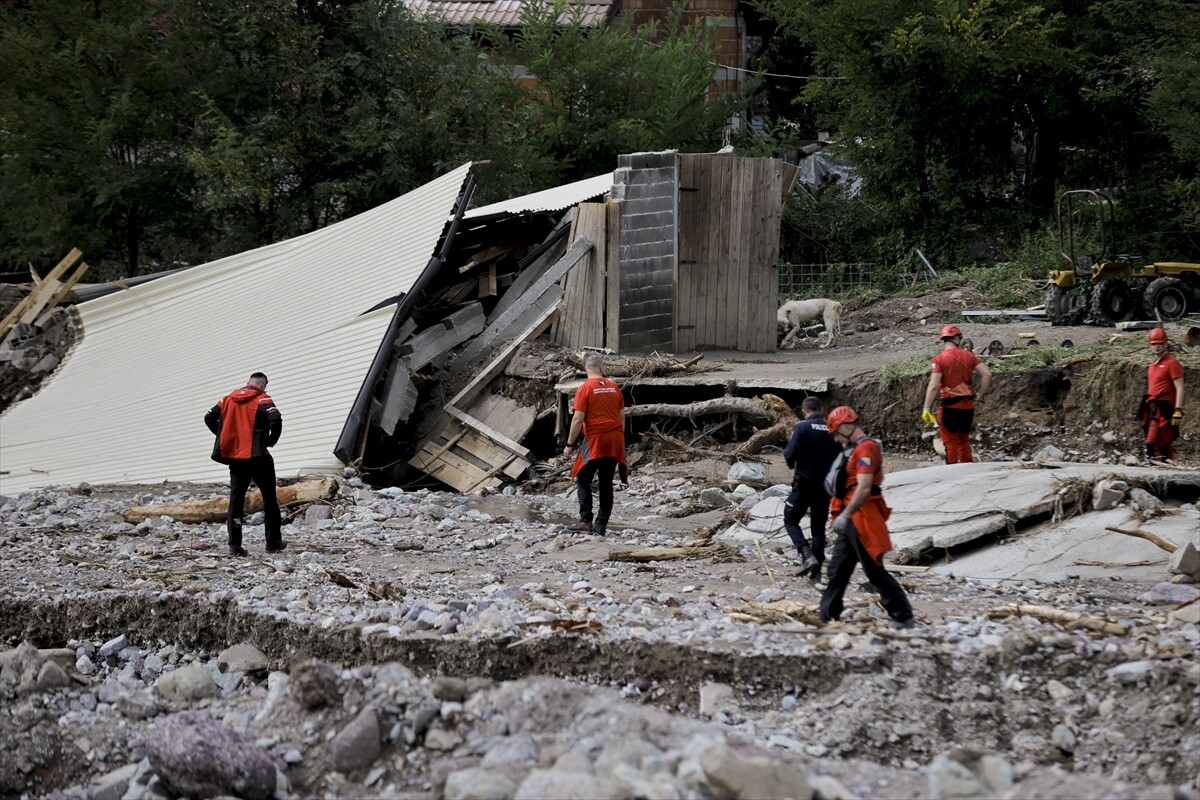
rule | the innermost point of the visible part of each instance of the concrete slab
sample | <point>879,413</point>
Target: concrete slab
<point>1052,551</point>
<point>953,504</point>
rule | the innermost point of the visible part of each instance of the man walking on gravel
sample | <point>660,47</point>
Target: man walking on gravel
<point>246,422</point>
<point>951,377</point>
<point>597,434</point>
<point>861,521</point>
<point>1161,411</point>
<point>809,453</point>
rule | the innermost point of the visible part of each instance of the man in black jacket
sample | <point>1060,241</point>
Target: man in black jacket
<point>246,422</point>
<point>809,452</point>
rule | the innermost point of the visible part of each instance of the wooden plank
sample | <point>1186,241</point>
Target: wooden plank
<point>61,292</point>
<point>740,176</point>
<point>504,414</point>
<point>506,323</point>
<point>442,337</point>
<point>31,299</point>
<point>770,256</point>
<point>496,366</point>
<point>612,275</point>
<point>496,436</point>
<point>530,272</point>
<point>691,236</point>
<point>487,282</point>
<point>399,397</point>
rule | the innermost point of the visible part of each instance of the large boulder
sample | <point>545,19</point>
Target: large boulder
<point>198,756</point>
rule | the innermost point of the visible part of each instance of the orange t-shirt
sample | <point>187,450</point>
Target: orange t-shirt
<point>1160,378</point>
<point>957,367</point>
<point>601,401</point>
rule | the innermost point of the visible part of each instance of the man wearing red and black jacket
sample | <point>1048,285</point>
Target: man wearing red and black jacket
<point>246,422</point>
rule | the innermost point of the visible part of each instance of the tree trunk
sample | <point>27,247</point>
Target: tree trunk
<point>217,509</point>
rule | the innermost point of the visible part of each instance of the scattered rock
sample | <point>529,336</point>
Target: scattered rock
<point>754,778</point>
<point>964,774</point>
<point>1186,561</point>
<point>314,684</point>
<point>188,683</point>
<point>358,744</point>
<point>197,756</point>
<point>245,658</point>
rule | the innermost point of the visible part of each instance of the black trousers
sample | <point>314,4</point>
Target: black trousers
<point>848,551</point>
<point>261,471</point>
<point>813,501</point>
<point>605,469</point>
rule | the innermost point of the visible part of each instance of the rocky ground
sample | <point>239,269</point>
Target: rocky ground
<point>424,644</point>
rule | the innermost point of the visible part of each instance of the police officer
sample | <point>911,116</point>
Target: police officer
<point>809,453</point>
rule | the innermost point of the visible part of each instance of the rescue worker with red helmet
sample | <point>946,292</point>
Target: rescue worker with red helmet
<point>1161,410</point>
<point>951,379</point>
<point>860,521</point>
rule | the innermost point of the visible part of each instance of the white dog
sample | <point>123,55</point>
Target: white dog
<point>795,313</point>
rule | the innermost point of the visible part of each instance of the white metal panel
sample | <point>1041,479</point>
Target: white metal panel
<point>127,404</point>
<point>549,199</point>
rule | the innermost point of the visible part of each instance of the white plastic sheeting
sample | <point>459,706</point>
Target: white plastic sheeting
<point>127,405</point>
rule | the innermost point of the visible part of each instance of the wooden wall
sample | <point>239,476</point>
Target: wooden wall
<point>727,280</point>
<point>591,287</point>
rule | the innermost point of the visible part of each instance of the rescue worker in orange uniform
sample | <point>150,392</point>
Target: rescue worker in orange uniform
<point>951,378</point>
<point>1161,411</point>
<point>860,521</point>
<point>598,430</point>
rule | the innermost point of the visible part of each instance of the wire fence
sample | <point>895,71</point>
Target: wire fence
<point>823,280</point>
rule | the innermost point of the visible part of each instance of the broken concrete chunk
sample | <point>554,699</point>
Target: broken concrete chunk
<point>1145,502</point>
<point>1107,494</point>
<point>1186,561</point>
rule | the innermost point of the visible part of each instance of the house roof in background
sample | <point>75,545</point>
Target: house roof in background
<point>506,13</point>
<point>127,404</point>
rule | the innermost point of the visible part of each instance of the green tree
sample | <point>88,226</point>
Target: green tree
<point>604,91</point>
<point>91,116</point>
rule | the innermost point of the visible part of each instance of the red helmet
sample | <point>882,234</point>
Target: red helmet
<point>839,417</point>
<point>1157,336</point>
<point>949,331</point>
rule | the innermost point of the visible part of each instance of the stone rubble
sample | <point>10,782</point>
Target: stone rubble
<point>389,654</point>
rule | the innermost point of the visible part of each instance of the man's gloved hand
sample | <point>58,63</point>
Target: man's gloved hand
<point>1177,417</point>
<point>840,523</point>
<point>927,416</point>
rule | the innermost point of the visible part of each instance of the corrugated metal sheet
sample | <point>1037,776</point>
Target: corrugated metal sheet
<point>127,405</point>
<point>505,12</point>
<point>549,199</point>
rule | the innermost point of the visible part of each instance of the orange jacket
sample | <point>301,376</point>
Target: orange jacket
<point>245,422</point>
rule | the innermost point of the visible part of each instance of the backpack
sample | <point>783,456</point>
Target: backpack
<point>835,479</point>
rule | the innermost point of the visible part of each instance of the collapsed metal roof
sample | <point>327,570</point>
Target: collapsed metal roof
<point>555,199</point>
<point>127,404</point>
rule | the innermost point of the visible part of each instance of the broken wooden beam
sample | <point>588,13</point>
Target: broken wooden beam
<point>217,509</point>
<point>1148,536</point>
<point>32,304</point>
<point>491,433</point>
<point>442,337</point>
<point>513,318</point>
<point>1060,617</point>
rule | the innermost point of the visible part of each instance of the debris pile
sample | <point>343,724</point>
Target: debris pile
<point>533,660</point>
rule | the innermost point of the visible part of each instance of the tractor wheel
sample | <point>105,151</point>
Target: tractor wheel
<point>1111,299</point>
<point>1166,298</point>
<point>1063,306</point>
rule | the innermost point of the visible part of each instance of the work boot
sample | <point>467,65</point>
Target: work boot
<point>277,548</point>
<point>580,527</point>
<point>600,528</point>
<point>903,624</point>
<point>807,559</point>
<point>237,551</point>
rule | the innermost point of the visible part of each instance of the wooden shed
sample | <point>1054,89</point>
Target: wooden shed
<point>685,257</point>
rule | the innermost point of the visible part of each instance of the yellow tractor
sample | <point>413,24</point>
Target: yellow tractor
<point>1107,288</point>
